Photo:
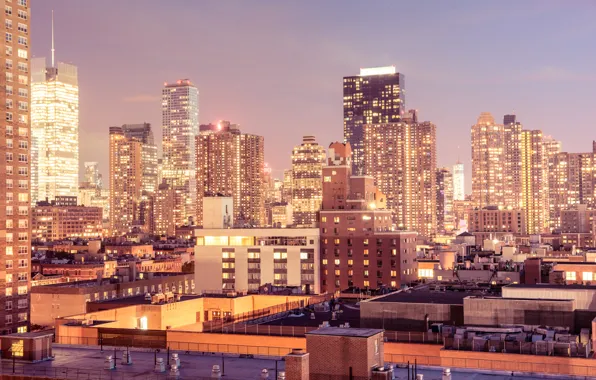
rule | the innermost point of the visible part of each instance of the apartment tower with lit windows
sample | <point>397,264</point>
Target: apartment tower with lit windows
<point>15,171</point>
<point>231,164</point>
<point>401,157</point>
<point>488,183</point>
<point>376,96</point>
<point>180,123</point>
<point>307,181</point>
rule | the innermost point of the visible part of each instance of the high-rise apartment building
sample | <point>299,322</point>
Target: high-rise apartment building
<point>54,129</point>
<point>376,96</point>
<point>126,181</point>
<point>163,210</point>
<point>180,123</point>
<point>286,192</point>
<point>401,157</point>
<point>444,185</point>
<point>143,133</point>
<point>15,170</point>
<point>572,182</point>
<point>308,159</point>
<point>534,181</point>
<point>487,162</point>
<point>512,162</point>
<point>459,191</point>
<point>230,163</point>
<point>359,247</point>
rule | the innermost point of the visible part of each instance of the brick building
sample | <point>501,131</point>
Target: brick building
<point>359,246</point>
<point>57,221</point>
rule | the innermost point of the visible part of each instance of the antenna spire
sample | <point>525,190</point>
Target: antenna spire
<point>53,50</point>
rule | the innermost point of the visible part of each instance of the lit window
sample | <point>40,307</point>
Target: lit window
<point>587,276</point>
<point>303,255</point>
<point>570,276</point>
<point>336,261</point>
<point>425,273</point>
<point>365,263</point>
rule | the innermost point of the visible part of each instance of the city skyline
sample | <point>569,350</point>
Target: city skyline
<point>138,88</point>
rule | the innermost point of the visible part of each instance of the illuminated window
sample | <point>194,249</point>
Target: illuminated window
<point>587,276</point>
<point>366,283</point>
<point>350,262</point>
<point>228,255</point>
<point>337,272</point>
<point>365,252</point>
<point>216,240</point>
<point>303,255</point>
<point>17,347</point>
<point>327,179</point>
<point>336,219</point>
<point>323,219</point>
<point>393,273</point>
<point>254,255</point>
<point>425,273</point>
<point>324,261</point>
<point>365,263</point>
<point>336,261</point>
<point>570,276</point>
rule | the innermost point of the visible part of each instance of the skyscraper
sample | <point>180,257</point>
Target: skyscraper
<point>54,129</point>
<point>164,210</point>
<point>230,163</point>
<point>444,200</point>
<point>512,162</point>
<point>307,181</point>
<point>376,96</point>
<point>15,143</point>
<point>401,157</point>
<point>459,192</point>
<point>129,201</point>
<point>534,181</point>
<point>143,133</point>
<point>180,123</point>
<point>487,162</point>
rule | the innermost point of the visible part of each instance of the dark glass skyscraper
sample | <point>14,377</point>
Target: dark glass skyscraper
<point>376,96</point>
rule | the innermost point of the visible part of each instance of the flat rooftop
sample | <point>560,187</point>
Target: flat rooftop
<point>426,296</point>
<point>350,314</point>
<point>349,332</point>
<point>552,286</point>
<point>88,363</point>
<point>140,300</point>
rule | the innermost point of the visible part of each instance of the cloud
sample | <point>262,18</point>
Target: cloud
<point>558,74</point>
<point>141,98</point>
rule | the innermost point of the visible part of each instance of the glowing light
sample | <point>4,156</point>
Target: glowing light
<point>377,71</point>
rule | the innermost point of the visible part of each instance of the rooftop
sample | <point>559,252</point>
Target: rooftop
<point>426,296</point>
<point>140,300</point>
<point>553,286</point>
<point>350,314</point>
<point>350,332</point>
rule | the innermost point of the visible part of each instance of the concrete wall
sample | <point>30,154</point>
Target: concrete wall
<point>491,311</point>
<point>585,299</point>
<point>407,316</point>
<point>45,308</point>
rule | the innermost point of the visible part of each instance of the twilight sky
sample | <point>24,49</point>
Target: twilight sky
<point>276,67</point>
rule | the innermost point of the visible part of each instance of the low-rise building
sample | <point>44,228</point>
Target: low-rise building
<point>62,220</point>
<point>494,222</point>
<point>61,300</point>
<point>243,259</point>
<point>137,250</point>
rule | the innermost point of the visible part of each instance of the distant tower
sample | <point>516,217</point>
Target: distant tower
<point>459,193</point>
<point>307,181</point>
<point>375,96</point>
<point>487,162</point>
<point>180,123</point>
<point>54,128</point>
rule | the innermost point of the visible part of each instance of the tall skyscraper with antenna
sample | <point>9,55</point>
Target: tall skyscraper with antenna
<point>54,128</point>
